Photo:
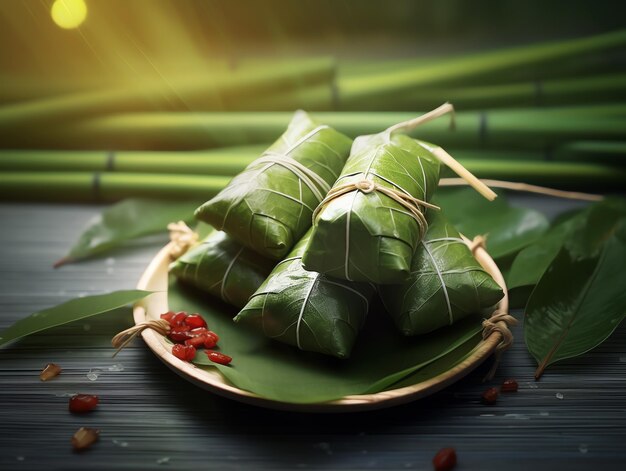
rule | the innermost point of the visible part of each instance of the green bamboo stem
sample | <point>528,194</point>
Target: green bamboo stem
<point>356,90</point>
<point>604,88</point>
<point>196,93</point>
<point>231,160</point>
<point>105,187</point>
<point>509,128</point>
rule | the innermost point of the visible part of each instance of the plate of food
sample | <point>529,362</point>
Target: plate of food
<point>324,285</point>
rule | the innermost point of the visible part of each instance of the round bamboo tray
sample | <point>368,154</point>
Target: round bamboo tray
<point>155,278</point>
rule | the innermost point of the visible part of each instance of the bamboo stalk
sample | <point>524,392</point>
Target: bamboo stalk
<point>111,186</point>
<point>355,90</point>
<point>105,187</point>
<point>510,128</point>
<point>219,92</point>
<point>607,88</point>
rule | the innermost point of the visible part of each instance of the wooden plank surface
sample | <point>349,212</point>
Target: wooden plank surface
<point>150,418</point>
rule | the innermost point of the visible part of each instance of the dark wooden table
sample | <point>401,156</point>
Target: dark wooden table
<point>573,419</point>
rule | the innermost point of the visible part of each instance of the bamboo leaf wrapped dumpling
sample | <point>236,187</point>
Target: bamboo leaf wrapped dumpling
<point>308,310</point>
<point>362,231</point>
<point>223,268</point>
<point>268,206</point>
<point>446,283</point>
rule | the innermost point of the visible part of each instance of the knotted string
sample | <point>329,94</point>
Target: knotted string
<point>182,237</point>
<point>409,202</point>
<point>122,339</point>
<point>498,322</point>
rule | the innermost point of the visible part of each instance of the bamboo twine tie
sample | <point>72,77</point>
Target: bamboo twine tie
<point>124,338</point>
<point>412,204</point>
<point>182,238</point>
<point>498,322</point>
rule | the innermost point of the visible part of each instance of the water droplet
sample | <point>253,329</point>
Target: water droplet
<point>487,415</point>
<point>86,327</point>
<point>532,385</point>
<point>116,367</point>
<point>559,395</point>
<point>544,413</point>
<point>20,458</point>
<point>120,443</point>
<point>583,448</point>
<point>66,394</point>
<point>93,374</point>
<point>163,460</point>
<point>518,416</point>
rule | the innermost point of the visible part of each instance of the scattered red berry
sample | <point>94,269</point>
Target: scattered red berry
<point>84,438</point>
<point>214,335</point>
<point>195,321</point>
<point>81,403</point>
<point>445,459</point>
<point>218,357</point>
<point>50,371</point>
<point>209,341</point>
<point>509,385</point>
<point>179,334</point>
<point>178,319</point>
<point>490,396</point>
<point>184,352</point>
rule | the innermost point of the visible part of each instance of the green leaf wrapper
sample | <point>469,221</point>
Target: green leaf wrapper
<point>368,236</point>
<point>268,207</point>
<point>223,268</point>
<point>446,283</point>
<point>307,309</point>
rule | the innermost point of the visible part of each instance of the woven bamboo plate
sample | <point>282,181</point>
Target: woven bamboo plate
<point>155,278</point>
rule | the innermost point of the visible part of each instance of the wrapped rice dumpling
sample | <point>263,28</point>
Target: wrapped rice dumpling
<point>268,206</point>
<point>446,283</point>
<point>308,310</point>
<point>369,225</point>
<point>223,268</point>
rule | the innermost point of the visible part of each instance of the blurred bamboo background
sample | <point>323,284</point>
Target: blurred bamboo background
<point>105,99</point>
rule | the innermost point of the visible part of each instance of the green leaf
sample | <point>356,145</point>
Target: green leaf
<point>381,355</point>
<point>577,303</point>
<point>70,311</point>
<point>125,221</point>
<point>583,232</point>
<point>508,229</point>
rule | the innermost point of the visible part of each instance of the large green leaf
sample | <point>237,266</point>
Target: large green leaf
<point>368,236</point>
<point>70,311</point>
<point>508,229</point>
<point>268,206</point>
<point>380,358</point>
<point>583,232</point>
<point>308,309</point>
<point>125,221</point>
<point>223,268</point>
<point>446,283</point>
<point>578,302</point>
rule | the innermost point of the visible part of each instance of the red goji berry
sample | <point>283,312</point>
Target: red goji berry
<point>214,335</point>
<point>490,396</point>
<point>178,319</point>
<point>509,385</point>
<point>184,352</point>
<point>218,357</point>
<point>195,321</point>
<point>168,316</point>
<point>196,341</point>
<point>81,403</point>
<point>445,459</point>
<point>179,334</point>
<point>209,341</point>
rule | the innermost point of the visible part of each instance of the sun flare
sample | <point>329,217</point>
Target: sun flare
<point>69,14</point>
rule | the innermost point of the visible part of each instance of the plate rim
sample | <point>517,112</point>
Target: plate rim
<point>213,381</point>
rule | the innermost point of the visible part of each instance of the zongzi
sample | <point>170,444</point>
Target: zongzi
<point>306,309</point>
<point>446,283</point>
<point>223,268</point>
<point>268,206</point>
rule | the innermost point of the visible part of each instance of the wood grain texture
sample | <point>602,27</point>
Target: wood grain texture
<point>157,415</point>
